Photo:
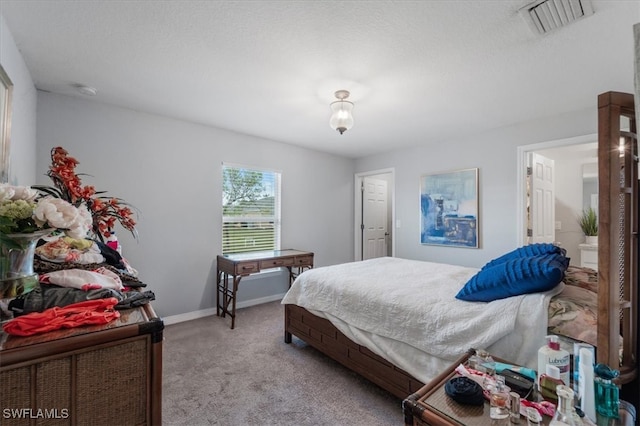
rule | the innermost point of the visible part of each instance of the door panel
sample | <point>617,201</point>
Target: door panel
<point>374,217</point>
<point>542,205</point>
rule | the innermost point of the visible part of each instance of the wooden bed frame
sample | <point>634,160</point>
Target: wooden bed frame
<point>325,337</point>
<point>618,234</point>
<point>617,263</point>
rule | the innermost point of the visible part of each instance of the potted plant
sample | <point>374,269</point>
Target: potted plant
<point>589,224</point>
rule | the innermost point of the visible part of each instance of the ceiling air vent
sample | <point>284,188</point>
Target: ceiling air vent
<point>547,15</point>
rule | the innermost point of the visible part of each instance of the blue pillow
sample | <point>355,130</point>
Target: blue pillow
<point>530,250</point>
<point>514,277</point>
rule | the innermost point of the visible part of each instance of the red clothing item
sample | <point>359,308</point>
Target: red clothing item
<point>99,311</point>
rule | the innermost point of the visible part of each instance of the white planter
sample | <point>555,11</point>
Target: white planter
<point>592,240</point>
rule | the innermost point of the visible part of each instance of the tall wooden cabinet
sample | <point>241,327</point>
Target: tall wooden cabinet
<point>98,375</point>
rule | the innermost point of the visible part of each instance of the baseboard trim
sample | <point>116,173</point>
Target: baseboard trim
<point>188,316</point>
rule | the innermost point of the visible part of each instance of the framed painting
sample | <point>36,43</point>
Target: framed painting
<point>6,88</point>
<point>449,209</point>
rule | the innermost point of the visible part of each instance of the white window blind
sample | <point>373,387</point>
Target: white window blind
<point>250,209</point>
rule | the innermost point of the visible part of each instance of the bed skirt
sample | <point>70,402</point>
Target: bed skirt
<point>325,337</point>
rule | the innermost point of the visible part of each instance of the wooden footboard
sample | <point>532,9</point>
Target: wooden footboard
<point>322,335</point>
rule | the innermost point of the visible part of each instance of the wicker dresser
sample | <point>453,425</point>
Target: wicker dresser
<point>99,375</point>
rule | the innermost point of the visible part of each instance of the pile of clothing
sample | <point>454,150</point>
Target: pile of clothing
<point>81,282</point>
<point>61,252</point>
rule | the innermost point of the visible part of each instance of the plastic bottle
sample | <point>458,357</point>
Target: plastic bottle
<point>576,365</point>
<point>586,389</point>
<point>552,354</point>
<point>549,383</point>
<point>607,398</point>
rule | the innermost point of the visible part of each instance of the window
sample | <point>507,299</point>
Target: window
<point>250,209</point>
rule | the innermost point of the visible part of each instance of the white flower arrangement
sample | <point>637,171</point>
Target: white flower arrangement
<point>24,210</point>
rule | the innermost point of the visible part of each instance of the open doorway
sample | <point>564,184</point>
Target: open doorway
<point>374,214</point>
<point>551,214</point>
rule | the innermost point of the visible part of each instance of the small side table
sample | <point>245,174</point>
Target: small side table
<point>431,406</point>
<point>244,264</point>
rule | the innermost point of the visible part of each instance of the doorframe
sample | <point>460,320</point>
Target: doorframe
<point>357,211</point>
<point>523,152</point>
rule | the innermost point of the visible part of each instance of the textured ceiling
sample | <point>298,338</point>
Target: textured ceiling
<point>420,72</point>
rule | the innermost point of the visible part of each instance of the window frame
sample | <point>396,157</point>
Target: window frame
<point>277,210</point>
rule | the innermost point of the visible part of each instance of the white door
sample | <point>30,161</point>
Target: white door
<point>374,218</point>
<point>541,200</point>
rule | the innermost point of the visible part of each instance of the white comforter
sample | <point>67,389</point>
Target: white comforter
<point>406,312</point>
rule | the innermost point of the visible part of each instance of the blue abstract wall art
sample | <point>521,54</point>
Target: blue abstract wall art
<point>449,208</point>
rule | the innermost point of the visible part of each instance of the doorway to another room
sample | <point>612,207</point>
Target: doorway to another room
<point>374,214</point>
<point>557,181</point>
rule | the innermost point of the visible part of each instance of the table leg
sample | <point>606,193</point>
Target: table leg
<point>294,275</point>
<point>225,294</point>
<point>218,282</point>
<point>291,275</point>
<point>236,282</point>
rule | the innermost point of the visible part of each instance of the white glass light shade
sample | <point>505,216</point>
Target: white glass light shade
<point>341,118</point>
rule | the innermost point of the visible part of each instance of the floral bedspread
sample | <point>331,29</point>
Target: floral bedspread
<point>574,312</point>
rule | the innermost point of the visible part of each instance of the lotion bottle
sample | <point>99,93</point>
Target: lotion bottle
<point>552,354</point>
<point>586,386</point>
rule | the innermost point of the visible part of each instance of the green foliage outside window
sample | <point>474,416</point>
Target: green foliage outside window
<point>249,208</point>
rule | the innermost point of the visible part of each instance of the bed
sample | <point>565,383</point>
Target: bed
<point>405,349</point>
<point>406,312</point>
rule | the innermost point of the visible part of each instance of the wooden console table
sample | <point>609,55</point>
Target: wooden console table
<point>244,264</point>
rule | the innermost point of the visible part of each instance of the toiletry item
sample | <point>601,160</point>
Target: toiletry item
<point>586,383</point>
<point>486,364</point>
<point>576,365</point>
<point>533,417</point>
<point>514,408</point>
<point>499,400</point>
<point>483,361</point>
<point>519,383</point>
<point>543,407</point>
<point>564,411</point>
<point>549,383</point>
<point>607,399</point>
<point>552,354</point>
<point>483,379</point>
<point>529,372</point>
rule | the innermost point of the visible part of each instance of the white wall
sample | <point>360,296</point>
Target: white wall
<point>171,171</point>
<point>23,122</point>
<point>495,154</point>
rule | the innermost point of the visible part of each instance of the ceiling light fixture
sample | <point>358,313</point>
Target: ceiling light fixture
<point>86,90</point>
<point>341,118</point>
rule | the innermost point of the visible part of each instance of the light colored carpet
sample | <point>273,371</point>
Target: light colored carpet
<point>213,375</point>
